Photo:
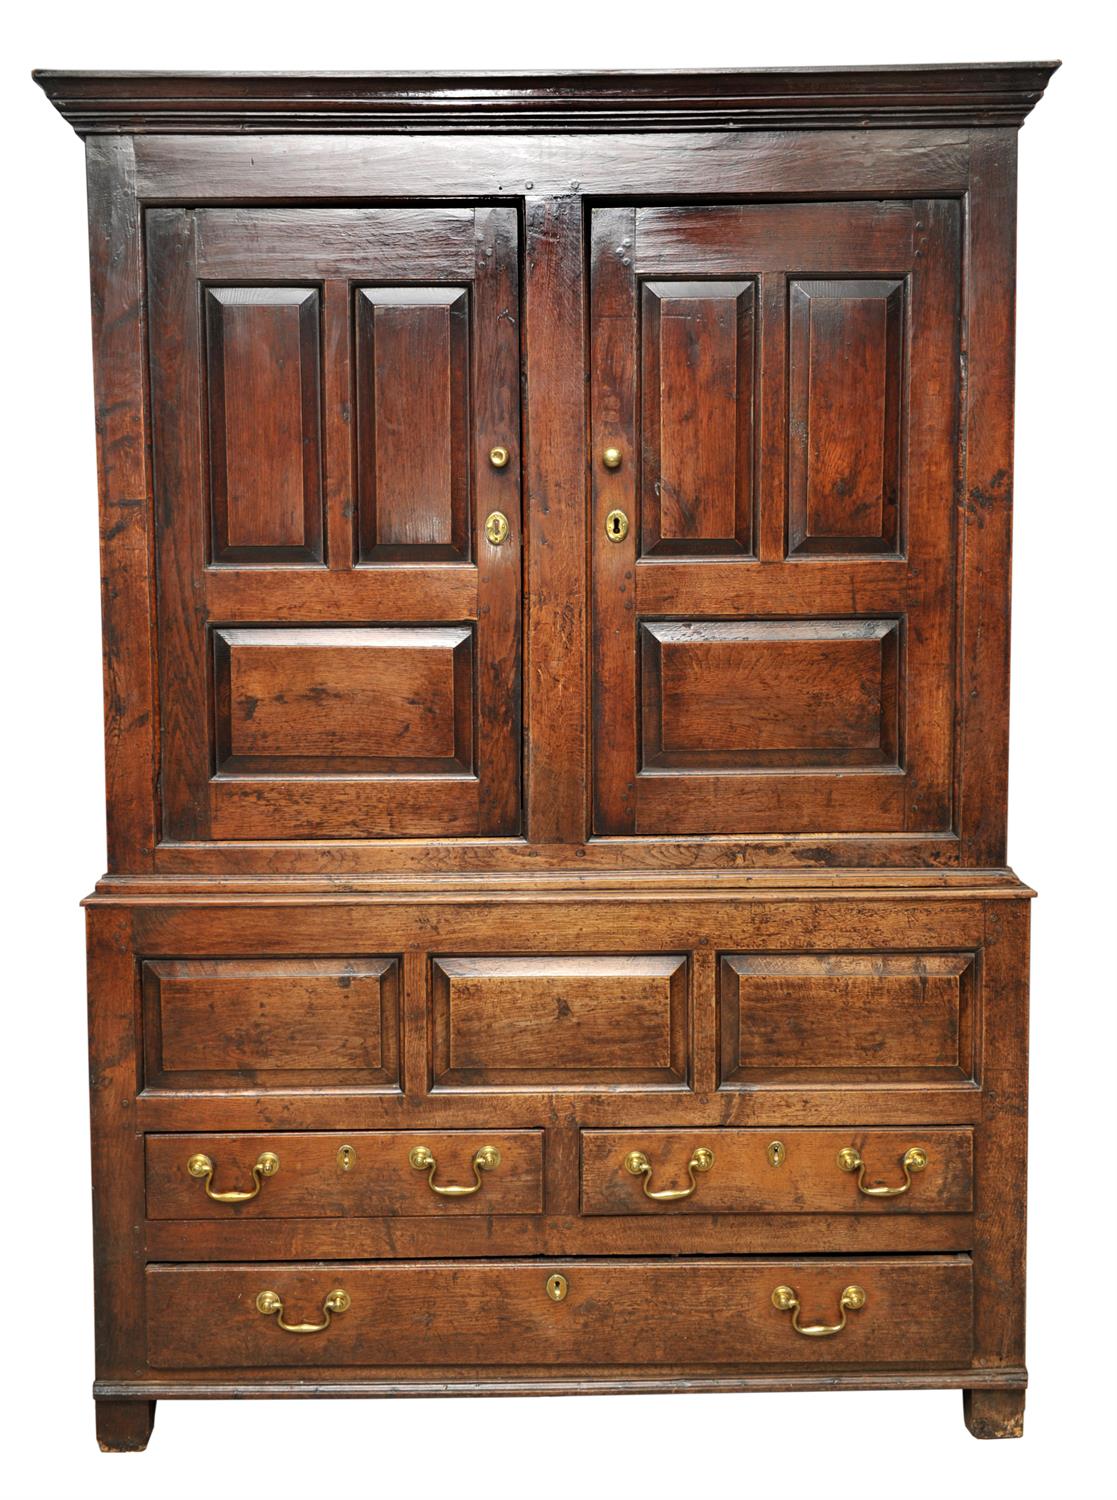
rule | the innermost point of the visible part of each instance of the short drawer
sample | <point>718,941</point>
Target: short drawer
<point>362,1174</point>
<point>903,1170</point>
<point>689,1314</point>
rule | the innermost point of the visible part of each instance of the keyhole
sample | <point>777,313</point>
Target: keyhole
<point>616,525</point>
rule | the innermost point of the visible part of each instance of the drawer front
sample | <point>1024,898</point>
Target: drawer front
<point>560,1022</point>
<point>781,1172</point>
<point>685,1313</point>
<point>362,1174</point>
<point>271,1023</point>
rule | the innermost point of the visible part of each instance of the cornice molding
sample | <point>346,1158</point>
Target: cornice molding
<point>943,95</point>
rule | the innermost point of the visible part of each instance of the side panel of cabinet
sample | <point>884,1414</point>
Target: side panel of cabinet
<point>338,639</point>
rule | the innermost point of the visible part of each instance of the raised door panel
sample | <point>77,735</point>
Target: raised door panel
<point>413,423</point>
<point>697,394</point>
<point>339,635</point>
<point>773,638</point>
<point>264,389</point>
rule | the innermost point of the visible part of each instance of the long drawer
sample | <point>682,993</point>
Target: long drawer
<point>721,1171</point>
<point>698,1313</point>
<point>336,1175</point>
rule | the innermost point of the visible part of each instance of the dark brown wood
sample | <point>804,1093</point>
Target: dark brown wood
<point>547,838</point>
<point>124,1426</point>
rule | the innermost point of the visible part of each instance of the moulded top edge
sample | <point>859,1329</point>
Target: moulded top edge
<point>995,93</point>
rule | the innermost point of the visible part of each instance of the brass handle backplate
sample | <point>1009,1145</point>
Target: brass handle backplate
<point>485,1158</point>
<point>702,1159</point>
<point>338,1301</point>
<point>786,1299</point>
<point>913,1160</point>
<point>200,1165</point>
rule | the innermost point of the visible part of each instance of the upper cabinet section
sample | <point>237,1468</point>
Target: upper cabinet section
<point>335,413</point>
<point>558,472</point>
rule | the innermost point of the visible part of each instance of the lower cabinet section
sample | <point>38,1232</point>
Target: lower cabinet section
<point>904,1312</point>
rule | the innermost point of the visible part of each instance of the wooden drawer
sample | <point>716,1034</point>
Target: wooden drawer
<point>689,1314</point>
<point>779,1172</point>
<point>338,1175</point>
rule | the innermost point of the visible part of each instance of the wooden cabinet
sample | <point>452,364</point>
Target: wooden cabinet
<point>556,543</point>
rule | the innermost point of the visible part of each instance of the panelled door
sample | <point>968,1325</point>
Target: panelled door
<point>774,400</point>
<point>336,430</point>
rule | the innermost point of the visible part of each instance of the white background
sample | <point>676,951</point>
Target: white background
<point>1061,828</point>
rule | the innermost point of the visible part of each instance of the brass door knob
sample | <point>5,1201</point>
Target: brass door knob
<point>611,458</point>
<point>499,457</point>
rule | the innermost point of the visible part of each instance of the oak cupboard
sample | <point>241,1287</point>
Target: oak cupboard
<point>557,934</point>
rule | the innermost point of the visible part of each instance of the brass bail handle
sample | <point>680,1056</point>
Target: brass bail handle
<point>702,1159</point>
<point>200,1165</point>
<point>786,1299</point>
<point>913,1160</point>
<point>485,1158</point>
<point>269,1303</point>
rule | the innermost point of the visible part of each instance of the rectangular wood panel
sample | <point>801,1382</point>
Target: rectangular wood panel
<point>741,1178</point>
<point>757,693</point>
<point>263,380</point>
<point>845,411</point>
<point>697,417</point>
<point>699,1313</point>
<point>559,1023</point>
<point>381,700</point>
<point>850,1018</point>
<point>374,1177</point>
<point>413,440</point>
<point>270,1022</point>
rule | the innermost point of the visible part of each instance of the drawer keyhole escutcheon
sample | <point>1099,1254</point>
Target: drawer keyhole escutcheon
<point>200,1165</point>
<point>557,1287</point>
<point>776,1153</point>
<point>616,525</point>
<point>346,1158</point>
<point>915,1159</point>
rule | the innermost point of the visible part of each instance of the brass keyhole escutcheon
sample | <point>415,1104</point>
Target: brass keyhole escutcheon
<point>496,527</point>
<point>776,1153</point>
<point>616,525</point>
<point>346,1158</point>
<point>556,1287</point>
<point>499,457</point>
